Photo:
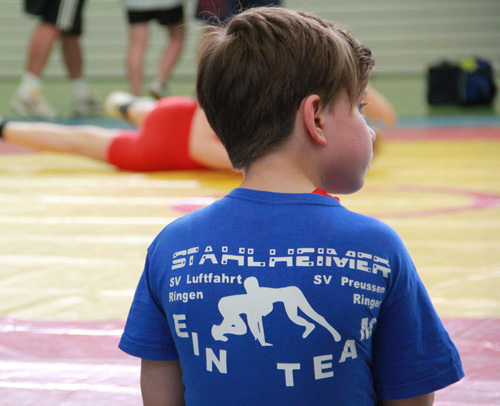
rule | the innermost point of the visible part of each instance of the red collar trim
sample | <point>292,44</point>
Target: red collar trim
<point>323,193</point>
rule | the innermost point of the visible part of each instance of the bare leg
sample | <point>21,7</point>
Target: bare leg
<point>204,147</point>
<point>138,38</point>
<point>89,141</point>
<point>171,52</point>
<point>40,47</point>
<point>139,109</point>
<point>72,55</point>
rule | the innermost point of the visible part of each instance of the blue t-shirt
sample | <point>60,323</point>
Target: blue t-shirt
<point>288,299</point>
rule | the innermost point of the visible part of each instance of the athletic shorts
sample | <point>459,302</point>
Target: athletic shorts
<point>66,15</point>
<point>162,141</point>
<point>218,11</point>
<point>168,17</point>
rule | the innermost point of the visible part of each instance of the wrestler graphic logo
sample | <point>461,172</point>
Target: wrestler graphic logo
<point>257,303</point>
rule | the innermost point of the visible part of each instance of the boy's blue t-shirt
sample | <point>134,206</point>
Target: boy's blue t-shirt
<point>271,298</point>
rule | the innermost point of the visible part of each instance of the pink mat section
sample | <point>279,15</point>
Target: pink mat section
<point>65,363</point>
<point>78,363</point>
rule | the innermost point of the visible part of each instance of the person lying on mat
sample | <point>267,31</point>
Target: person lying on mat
<point>173,134</point>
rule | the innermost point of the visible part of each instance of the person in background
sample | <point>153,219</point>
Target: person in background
<point>172,134</point>
<point>217,12</point>
<point>60,19</point>
<point>170,15</point>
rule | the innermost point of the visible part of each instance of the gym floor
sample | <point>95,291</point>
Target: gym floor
<point>74,234</point>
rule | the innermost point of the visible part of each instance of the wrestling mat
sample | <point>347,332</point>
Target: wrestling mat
<point>74,234</point>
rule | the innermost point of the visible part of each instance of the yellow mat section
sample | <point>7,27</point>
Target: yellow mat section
<point>74,232</point>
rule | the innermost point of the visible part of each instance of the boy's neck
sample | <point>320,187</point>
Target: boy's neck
<point>280,174</point>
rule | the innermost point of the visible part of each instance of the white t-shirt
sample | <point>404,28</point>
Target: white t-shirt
<point>141,5</point>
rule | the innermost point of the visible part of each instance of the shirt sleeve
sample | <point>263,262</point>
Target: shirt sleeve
<point>147,334</point>
<point>412,352</point>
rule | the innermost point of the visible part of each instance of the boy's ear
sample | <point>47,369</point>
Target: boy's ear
<point>313,118</point>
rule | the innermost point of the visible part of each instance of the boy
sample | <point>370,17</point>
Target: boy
<point>273,294</point>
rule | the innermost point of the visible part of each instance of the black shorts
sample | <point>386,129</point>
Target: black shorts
<point>171,16</point>
<point>66,15</point>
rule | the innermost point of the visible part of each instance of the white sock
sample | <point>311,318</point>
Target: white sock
<point>81,89</point>
<point>28,84</point>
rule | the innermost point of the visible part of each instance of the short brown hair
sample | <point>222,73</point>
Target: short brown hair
<point>254,72</point>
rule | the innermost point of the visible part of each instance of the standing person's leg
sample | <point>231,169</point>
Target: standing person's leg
<point>173,21</point>
<point>138,43</point>
<point>85,103</point>
<point>169,59</point>
<point>41,44</point>
<point>139,38</point>
<point>72,55</point>
<point>89,141</point>
<point>28,100</point>
<point>70,20</point>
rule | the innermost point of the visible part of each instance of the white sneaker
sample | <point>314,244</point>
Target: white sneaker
<point>34,106</point>
<point>115,101</point>
<point>89,106</point>
<point>157,90</point>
